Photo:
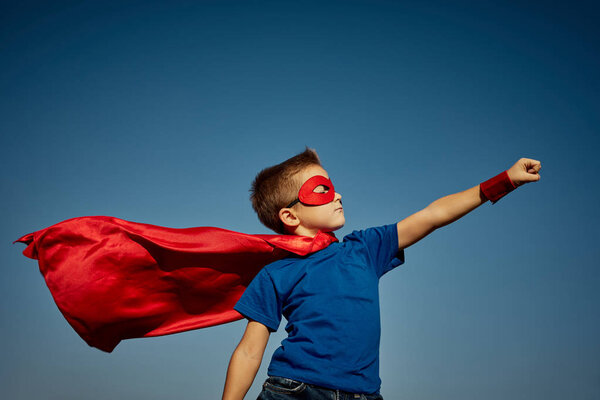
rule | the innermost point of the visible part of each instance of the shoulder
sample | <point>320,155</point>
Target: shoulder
<point>380,245</point>
<point>372,234</point>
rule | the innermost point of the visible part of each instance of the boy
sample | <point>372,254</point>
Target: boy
<point>330,298</point>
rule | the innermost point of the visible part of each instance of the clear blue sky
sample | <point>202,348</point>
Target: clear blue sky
<point>163,112</point>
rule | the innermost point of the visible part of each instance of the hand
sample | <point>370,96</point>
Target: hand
<point>524,171</point>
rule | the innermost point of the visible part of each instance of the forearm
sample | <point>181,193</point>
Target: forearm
<point>240,374</point>
<point>452,207</point>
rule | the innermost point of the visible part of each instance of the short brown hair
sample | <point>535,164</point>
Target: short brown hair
<point>275,187</point>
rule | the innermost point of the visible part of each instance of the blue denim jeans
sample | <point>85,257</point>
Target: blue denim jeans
<point>276,388</point>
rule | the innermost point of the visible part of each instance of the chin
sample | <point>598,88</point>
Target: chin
<point>338,227</point>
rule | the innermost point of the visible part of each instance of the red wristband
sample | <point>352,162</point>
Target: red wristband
<point>497,187</point>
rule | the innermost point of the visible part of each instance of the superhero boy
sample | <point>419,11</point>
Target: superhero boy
<point>330,297</point>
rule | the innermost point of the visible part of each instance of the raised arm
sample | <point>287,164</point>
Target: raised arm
<point>245,361</point>
<point>450,208</point>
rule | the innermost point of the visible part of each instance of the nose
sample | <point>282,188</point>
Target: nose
<point>337,197</point>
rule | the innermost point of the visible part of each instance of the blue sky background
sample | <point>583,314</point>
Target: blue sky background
<point>163,112</point>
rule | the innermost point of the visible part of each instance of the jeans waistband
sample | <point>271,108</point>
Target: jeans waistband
<point>339,394</point>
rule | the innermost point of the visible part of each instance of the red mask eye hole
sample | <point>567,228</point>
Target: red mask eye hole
<point>311,194</point>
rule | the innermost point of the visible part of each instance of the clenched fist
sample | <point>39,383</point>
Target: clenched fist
<point>524,171</point>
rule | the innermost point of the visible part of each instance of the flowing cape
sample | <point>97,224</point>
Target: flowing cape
<point>114,279</point>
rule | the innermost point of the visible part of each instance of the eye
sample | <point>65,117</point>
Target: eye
<point>321,189</point>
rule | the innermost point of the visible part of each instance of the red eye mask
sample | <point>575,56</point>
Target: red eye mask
<point>308,196</point>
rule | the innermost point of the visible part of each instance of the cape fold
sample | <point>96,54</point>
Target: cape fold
<point>114,279</point>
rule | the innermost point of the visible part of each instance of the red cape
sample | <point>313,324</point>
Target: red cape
<point>114,279</point>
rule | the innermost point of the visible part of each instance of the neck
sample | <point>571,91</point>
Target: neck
<point>302,231</point>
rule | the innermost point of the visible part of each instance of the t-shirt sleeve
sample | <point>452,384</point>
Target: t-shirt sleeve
<point>260,301</point>
<point>382,246</point>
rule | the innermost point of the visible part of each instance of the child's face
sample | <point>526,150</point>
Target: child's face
<point>326,217</point>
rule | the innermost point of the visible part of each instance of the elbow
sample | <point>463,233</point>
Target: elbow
<point>250,352</point>
<point>252,355</point>
<point>436,217</point>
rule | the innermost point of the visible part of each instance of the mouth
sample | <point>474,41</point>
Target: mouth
<point>339,209</point>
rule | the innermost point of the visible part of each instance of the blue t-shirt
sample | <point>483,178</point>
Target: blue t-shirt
<point>331,302</point>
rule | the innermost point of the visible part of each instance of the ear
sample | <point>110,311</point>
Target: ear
<point>289,218</point>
